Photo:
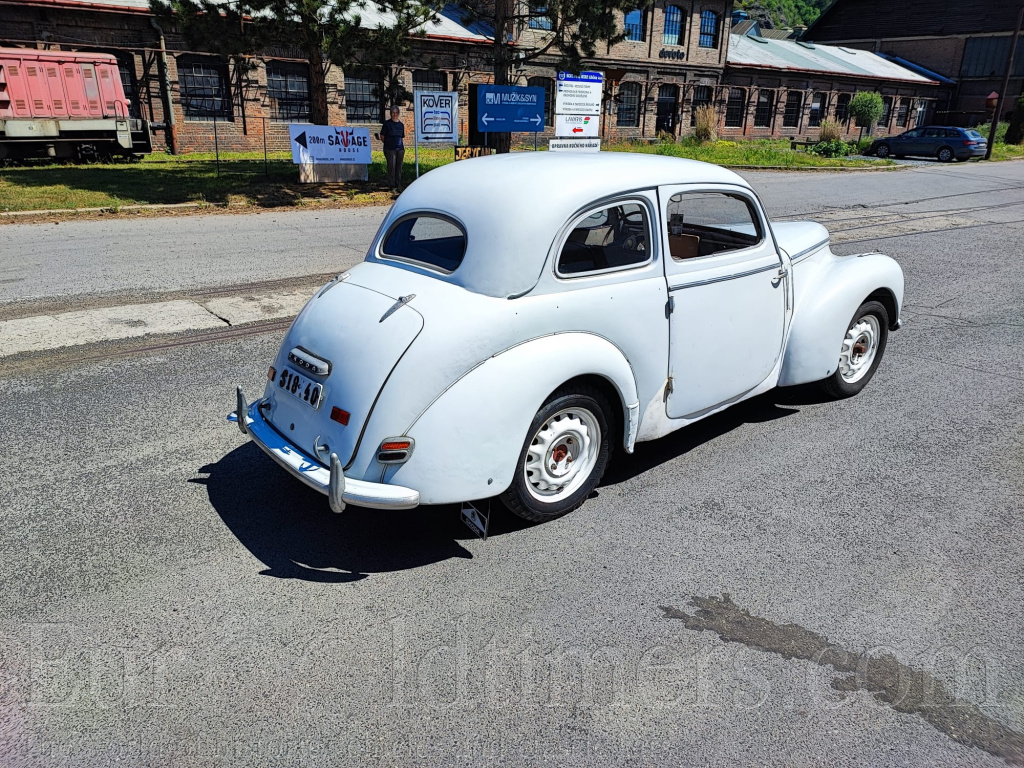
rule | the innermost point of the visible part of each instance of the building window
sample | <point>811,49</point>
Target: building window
<point>922,111</point>
<point>126,68</point>
<point>818,101</point>
<point>429,80</point>
<point>763,112</point>
<point>902,113</point>
<point>843,108</point>
<point>538,17</point>
<point>363,96</point>
<point>794,106</point>
<point>629,106</point>
<point>734,108</point>
<point>883,121</point>
<point>205,93</point>
<point>288,91</point>
<point>549,96</point>
<point>701,98</point>
<point>708,30</point>
<point>673,34</point>
<point>634,25</point>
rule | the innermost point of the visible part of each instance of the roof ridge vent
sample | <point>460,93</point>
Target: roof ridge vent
<point>802,44</point>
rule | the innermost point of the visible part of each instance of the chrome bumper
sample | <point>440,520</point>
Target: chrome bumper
<point>332,482</point>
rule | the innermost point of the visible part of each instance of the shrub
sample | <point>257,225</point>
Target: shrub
<point>706,123</point>
<point>834,148</point>
<point>863,145</point>
<point>831,130</point>
<point>664,137</point>
<point>865,108</point>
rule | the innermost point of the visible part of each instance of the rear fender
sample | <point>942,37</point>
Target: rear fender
<point>469,439</point>
<point>825,307</point>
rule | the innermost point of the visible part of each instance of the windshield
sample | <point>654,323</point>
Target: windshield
<point>426,239</point>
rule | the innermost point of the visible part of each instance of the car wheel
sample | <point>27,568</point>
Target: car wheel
<point>862,350</point>
<point>945,155</point>
<point>566,452</point>
<point>882,150</point>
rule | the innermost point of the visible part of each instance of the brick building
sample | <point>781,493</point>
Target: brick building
<point>965,41</point>
<point>676,55</point>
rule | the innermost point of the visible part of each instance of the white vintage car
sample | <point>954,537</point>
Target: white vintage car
<point>519,316</point>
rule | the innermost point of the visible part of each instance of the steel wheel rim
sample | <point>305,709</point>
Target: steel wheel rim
<point>562,455</point>
<point>860,347</point>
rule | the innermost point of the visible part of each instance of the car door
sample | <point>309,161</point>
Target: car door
<point>727,296</point>
<point>908,143</point>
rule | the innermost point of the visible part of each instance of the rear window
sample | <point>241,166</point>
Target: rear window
<point>426,239</point>
<point>975,135</point>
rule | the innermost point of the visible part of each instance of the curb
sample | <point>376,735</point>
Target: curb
<point>146,207</point>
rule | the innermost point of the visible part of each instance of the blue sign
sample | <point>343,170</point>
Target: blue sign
<point>582,77</point>
<point>509,108</point>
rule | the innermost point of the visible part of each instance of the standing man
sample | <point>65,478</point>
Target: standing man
<point>392,133</point>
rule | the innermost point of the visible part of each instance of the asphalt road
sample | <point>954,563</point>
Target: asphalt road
<point>171,598</point>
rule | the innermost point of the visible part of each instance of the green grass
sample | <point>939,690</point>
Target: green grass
<point>769,153</point>
<point>161,178</point>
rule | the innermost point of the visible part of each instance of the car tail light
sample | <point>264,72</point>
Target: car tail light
<point>340,416</point>
<point>395,450</point>
<point>969,143</point>
<point>271,373</point>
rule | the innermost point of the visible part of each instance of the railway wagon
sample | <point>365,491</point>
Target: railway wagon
<point>64,104</point>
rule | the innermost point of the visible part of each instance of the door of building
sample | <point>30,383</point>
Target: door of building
<point>668,99</point>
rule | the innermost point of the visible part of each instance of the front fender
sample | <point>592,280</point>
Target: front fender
<point>825,304</point>
<point>469,439</point>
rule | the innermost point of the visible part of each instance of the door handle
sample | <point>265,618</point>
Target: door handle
<point>779,276</point>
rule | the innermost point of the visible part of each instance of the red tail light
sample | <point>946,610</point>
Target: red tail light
<point>340,416</point>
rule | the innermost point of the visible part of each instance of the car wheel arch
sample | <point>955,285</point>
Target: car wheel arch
<point>887,299</point>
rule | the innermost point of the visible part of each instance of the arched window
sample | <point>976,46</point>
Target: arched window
<point>708,30</point>
<point>673,34</point>
<point>794,108</point>
<point>549,96</point>
<point>628,115</point>
<point>765,105</point>
<point>634,25</point>
<point>735,108</point>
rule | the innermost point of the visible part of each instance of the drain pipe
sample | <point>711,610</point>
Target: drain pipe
<point>170,130</point>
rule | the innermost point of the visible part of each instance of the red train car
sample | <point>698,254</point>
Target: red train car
<point>66,105</point>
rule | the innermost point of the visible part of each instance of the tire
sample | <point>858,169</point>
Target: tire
<point>857,362</point>
<point>945,155</point>
<point>882,151</point>
<point>570,417</point>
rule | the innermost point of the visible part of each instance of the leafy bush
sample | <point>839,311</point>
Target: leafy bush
<point>865,108</point>
<point>863,145</point>
<point>834,148</point>
<point>831,130</point>
<point>706,122</point>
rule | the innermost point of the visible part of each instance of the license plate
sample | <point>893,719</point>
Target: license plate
<point>297,385</point>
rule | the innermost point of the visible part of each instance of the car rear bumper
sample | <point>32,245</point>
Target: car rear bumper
<point>316,476</point>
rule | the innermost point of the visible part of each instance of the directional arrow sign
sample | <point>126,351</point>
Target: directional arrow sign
<point>510,108</point>
<point>301,139</point>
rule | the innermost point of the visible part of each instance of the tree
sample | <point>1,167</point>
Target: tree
<point>865,109</point>
<point>327,32</point>
<point>1015,131</point>
<point>525,31</point>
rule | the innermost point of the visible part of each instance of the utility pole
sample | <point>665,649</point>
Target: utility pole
<point>1006,85</point>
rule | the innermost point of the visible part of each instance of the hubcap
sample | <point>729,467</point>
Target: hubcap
<point>859,349</point>
<point>562,454</point>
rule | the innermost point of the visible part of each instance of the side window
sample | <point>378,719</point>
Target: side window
<point>934,133</point>
<point>914,134</point>
<point>610,238</point>
<point>710,223</point>
<point>428,240</point>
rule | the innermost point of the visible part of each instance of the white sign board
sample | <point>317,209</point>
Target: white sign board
<point>437,116</point>
<point>579,94</point>
<point>574,145</point>
<point>577,126</point>
<point>329,144</point>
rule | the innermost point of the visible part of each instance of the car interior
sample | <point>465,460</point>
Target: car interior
<point>703,224</point>
<point>606,239</point>
<point>428,240</point>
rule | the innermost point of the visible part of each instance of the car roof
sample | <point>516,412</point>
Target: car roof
<point>513,205</point>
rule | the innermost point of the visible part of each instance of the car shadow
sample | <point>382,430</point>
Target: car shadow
<point>776,404</point>
<point>290,528</point>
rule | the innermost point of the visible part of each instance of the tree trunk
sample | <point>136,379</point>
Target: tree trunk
<point>318,112</point>
<point>502,142</point>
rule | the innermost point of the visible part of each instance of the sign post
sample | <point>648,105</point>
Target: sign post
<point>578,112</point>
<point>436,119</point>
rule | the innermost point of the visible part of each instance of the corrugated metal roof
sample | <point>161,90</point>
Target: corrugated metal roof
<point>746,26</point>
<point>447,24</point>
<point>827,59</point>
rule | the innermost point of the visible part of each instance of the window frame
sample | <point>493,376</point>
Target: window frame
<point>843,117</point>
<point>589,211</point>
<point>710,27</point>
<point>276,116</point>
<point>638,90</point>
<point>361,76</point>
<point>422,213</point>
<point>738,254</point>
<point>769,110</point>
<point>739,111</point>
<point>695,102</point>
<point>816,114</point>
<point>227,106</point>
<point>431,87</point>
<point>799,109</point>
<point>677,40</point>
<point>640,29</point>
